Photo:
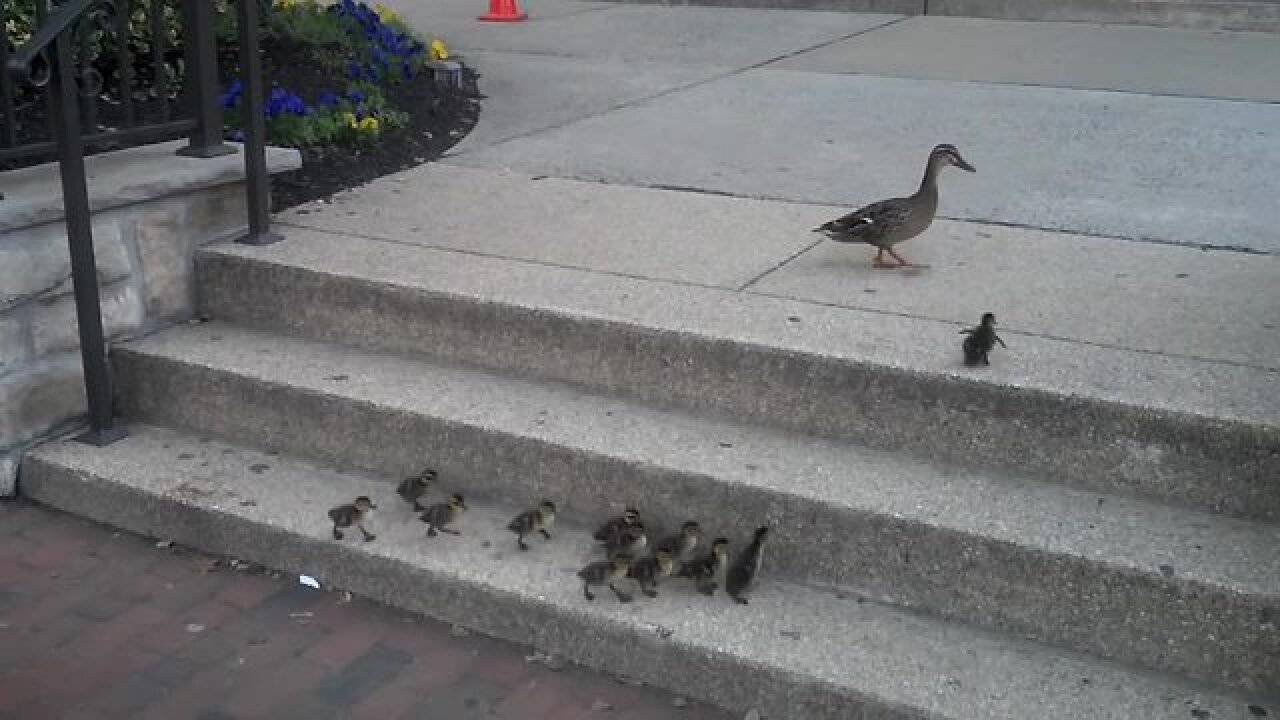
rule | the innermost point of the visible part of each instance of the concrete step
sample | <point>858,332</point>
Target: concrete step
<point>1246,15</point>
<point>1175,590</point>
<point>776,654</point>
<point>1202,434</point>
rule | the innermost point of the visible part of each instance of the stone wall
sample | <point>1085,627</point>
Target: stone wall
<point>152,210</point>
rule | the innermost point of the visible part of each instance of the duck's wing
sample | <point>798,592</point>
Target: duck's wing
<point>870,223</point>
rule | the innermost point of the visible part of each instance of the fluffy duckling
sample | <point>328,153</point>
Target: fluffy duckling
<point>614,525</point>
<point>629,540</point>
<point>442,515</point>
<point>979,341</point>
<point>707,569</point>
<point>649,570</point>
<point>538,520</point>
<point>356,513</point>
<point>682,544</point>
<point>606,572</point>
<point>742,576</point>
<point>412,488</point>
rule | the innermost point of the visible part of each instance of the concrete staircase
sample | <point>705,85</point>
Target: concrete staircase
<point>1072,539</point>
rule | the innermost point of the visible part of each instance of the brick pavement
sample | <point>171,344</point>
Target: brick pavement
<point>96,623</point>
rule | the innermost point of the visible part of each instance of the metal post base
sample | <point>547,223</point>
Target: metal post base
<point>211,151</point>
<point>267,237</point>
<point>105,437</point>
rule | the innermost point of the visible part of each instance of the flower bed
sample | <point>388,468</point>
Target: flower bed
<point>347,84</point>
<point>350,88</point>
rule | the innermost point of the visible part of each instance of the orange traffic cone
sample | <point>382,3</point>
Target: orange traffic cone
<point>504,11</point>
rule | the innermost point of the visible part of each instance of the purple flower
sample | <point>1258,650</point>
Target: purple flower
<point>328,99</point>
<point>355,71</point>
<point>356,96</point>
<point>232,96</point>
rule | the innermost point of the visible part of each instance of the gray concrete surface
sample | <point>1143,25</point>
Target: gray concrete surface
<point>33,195</point>
<point>895,664</point>
<point>681,36</point>
<point>1112,57</point>
<point>688,237</point>
<point>1259,15</point>
<point>1189,171</point>
<point>1191,432</point>
<point>1076,569</point>
<point>1221,306</point>
<point>573,90</point>
<point>1181,170</point>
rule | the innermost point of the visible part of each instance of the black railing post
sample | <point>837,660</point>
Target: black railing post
<point>200,49</point>
<point>255,156</point>
<point>84,273</point>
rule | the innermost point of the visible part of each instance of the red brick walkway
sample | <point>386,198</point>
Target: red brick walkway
<point>102,624</point>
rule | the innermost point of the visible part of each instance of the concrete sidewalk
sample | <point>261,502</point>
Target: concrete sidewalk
<point>1140,133</point>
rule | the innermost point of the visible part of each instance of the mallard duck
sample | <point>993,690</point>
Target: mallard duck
<point>889,222</point>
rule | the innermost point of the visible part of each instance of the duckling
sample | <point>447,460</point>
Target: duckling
<point>441,515</point>
<point>629,539</point>
<point>414,487</point>
<point>887,223</point>
<point>649,570</point>
<point>344,516</point>
<point>707,569</point>
<point>538,520</point>
<point>742,576</point>
<point>606,572</point>
<point>682,544</point>
<point>980,340</point>
<point>611,526</point>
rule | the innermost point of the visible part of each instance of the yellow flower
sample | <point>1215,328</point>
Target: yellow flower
<point>386,14</point>
<point>370,124</point>
<point>350,120</point>
<point>286,4</point>
<point>439,51</point>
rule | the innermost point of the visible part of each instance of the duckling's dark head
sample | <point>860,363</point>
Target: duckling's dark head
<point>948,154</point>
<point>427,477</point>
<point>364,503</point>
<point>458,502</point>
<point>762,532</point>
<point>631,516</point>
<point>547,506</point>
<point>720,545</point>
<point>691,528</point>
<point>988,319</point>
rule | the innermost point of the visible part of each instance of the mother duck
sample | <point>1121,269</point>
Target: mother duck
<point>889,222</point>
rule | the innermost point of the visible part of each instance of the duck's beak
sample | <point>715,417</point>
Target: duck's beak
<point>960,163</point>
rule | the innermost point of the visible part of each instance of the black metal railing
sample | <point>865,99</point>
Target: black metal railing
<point>57,74</point>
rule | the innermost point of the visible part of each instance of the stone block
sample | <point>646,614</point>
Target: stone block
<point>217,213</point>
<point>164,256</point>
<point>110,255</point>
<point>15,341</point>
<point>54,327</point>
<point>9,473</point>
<point>36,401</point>
<point>37,260</point>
